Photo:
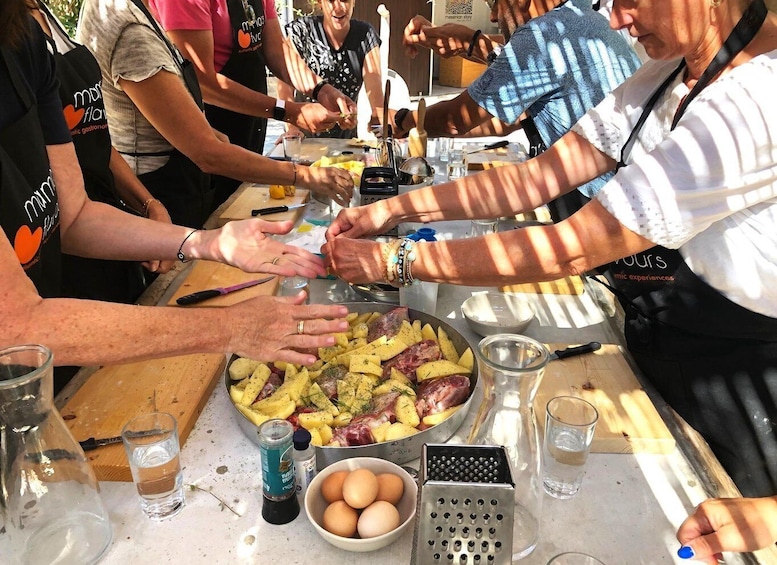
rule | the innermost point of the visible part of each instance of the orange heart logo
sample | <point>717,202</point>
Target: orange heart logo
<point>243,39</point>
<point>73,117</point>
<point>27,243</point>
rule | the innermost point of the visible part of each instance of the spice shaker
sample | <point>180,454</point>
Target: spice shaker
<point>279,503</point>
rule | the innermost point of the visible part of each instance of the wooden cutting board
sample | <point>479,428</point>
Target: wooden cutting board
<point>180,385</point>
<point>254,196</point>
<point>628,421</point>
<point>205,275</point>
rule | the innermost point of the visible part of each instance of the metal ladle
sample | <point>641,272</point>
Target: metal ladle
<point>417,168</point>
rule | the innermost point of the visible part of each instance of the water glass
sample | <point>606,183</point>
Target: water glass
<point>569,430</point>
<point>290,286</point>
<point>457,164</point>
<point>151,443</point>
<point>292,147</point>
<point>483,227</point>
<point>442,148</point>
<point>574,558</point>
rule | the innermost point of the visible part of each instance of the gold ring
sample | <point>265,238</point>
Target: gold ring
<point>275,260</point>
<point>301,327</point>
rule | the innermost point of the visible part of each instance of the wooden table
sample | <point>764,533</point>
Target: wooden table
<point>626,513</point>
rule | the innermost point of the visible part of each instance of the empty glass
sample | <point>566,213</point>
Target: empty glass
<point>483,227</point>
<point>292,147</point>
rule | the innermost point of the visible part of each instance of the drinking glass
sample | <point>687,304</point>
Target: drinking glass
<point>457,164</point>
<point>574,558</point>
<point>442,148</point>
<point>569,429</point>
<point>151,443</point>
<point>292,147</point>
<point>483,227</point>
<point>290,286</point>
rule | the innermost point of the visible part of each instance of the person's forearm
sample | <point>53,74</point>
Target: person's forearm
<point>119,333</point>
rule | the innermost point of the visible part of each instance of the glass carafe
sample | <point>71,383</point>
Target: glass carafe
<point>49,495</point>
<point>511,368</point>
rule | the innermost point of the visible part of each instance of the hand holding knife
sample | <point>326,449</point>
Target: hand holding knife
<point>201,295</point>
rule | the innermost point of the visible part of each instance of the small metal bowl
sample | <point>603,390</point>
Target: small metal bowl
<point>495,312</point>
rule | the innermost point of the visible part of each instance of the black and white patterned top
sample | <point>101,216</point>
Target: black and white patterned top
<point>341,67</point>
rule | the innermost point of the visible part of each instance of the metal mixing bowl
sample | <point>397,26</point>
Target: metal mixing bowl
<point>399,451</point>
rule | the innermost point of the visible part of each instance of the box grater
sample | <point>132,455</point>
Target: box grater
<point>465,506</point>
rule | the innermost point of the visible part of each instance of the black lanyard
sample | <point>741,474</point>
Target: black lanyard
<point>742,34</point>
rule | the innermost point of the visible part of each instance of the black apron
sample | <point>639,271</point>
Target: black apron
<point>246,66</point>
<point>714,362</point>
<point>29,208</point>
<point>82,102</point>
<point>182,187</point>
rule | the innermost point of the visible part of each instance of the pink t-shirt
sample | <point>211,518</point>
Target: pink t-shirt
<point>203,15</point>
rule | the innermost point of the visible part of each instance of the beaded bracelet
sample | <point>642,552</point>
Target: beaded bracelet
<point>405,258</point>
<point>181,257</point>
<point>389,253</point>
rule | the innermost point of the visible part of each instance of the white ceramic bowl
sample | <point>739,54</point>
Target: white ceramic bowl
<point>496,312</point>
<point>315,503</point>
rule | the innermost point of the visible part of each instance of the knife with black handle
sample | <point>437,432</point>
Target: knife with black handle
<point>576,350</point>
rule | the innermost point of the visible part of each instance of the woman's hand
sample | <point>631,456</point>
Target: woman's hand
<point>361,221</point>
<point>245,244</point>
<point>156,211</point>
<point>268,327</point>
<point>728,524</point>
<point>336,101</point>
<point>355,260</point>
<point>311,117</point>
<point>333,182</point>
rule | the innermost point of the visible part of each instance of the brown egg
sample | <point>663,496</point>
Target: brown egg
<point>390,488</point>
<point>377,519</point>
<point>360,488</point>
<point>332,486</point>
<point>340,519</point>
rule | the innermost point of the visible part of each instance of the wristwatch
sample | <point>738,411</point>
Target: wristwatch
<point>279,112</point>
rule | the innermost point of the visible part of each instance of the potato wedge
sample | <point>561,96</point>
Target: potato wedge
<point>255,384</point>
<point>398,430</point>
<point>406,412</point>
<point>280,410</point>
<point>417,331</point>
<point>325,433</point>
<point>391,385</point>
<point>317,397</point>
<point>446,346</point>
<point>379,432</point>
<point>427,332</point>
<point>434,419</point>
<point>256,418</point>
<point>467,359</point>
<point>242,368</point>
<point>406,333</point>
<point>310,420</point>
<point>441,368</point>
<point>399,376</point>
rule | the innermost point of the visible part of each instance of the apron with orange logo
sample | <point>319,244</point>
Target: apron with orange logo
<point>246,66</point>
<point>82,103</point>
<point>29,209</point>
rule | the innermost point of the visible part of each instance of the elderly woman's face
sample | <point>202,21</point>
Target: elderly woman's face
<point>667,29</point>
<point>337,12</point>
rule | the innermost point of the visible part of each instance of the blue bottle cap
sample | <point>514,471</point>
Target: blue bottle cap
<point>425,234</point>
